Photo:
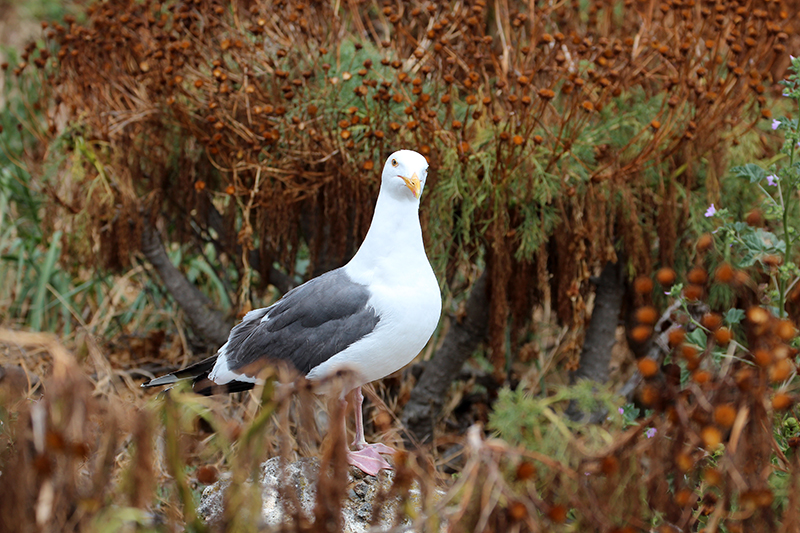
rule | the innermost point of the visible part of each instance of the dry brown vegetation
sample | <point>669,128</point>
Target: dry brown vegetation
<point>560,135</point>
<point>554,133</point>
<point>83,452</point>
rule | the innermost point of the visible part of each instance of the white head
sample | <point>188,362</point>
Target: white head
<point>404,175</point>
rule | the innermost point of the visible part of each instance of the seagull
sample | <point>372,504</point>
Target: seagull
<point>369,318</point>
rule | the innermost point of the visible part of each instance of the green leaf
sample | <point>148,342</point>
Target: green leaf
<point>759,243</point>
<point>697,337</point>
<point>750,171</point>
<point>733,316</point>
<point>741,227</point>
<point>38,307</point>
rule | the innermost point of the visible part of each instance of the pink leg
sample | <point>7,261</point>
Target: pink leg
<point>359,442</point>
<point>367,456</point>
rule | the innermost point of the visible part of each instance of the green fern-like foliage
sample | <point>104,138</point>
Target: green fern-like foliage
<point>537,423</point>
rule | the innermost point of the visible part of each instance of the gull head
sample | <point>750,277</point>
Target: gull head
<point>404,174</point>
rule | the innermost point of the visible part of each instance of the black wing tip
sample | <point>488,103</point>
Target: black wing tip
<point>206,387</point>
<point>196,371</point>
<point>201,385</point>
<point>169,379</point>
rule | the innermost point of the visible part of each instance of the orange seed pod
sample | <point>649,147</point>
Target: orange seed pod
<point>724,273</point>
<point>724,415</point>
<point>711,321</point>
<point>643,285</point>
<point>641,333</point>
<point>712,437</point>
<point>705,242</point>
<point>697,276</point>
<point>646,315</point>
<point>723,336</point>
<point>666,276</point>
<point>647,367</point>
<point>676,336</point>
<point>780,371</point>
<point>781,401</point>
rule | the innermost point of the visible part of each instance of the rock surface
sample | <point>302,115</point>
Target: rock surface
<point>301,476</point>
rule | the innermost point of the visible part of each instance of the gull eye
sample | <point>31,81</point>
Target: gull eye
<point>394,162</point>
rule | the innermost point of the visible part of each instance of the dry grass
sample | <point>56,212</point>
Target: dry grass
<point>88,451</point>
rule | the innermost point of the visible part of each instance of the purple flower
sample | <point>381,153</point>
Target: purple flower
<point>775,124</point>
<point>621,411</point>
<point>711,211</point>
<point>772,180</point>
<point>650,433</point>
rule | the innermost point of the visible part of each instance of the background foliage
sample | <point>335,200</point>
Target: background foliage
<point>557,141</point>
<point>561,136</point>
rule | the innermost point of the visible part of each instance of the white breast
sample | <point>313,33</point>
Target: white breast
<point>409,310</point>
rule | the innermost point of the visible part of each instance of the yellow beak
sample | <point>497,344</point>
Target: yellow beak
<point>413,184</point>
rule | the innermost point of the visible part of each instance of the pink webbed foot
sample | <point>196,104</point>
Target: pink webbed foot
<point>368,459</point>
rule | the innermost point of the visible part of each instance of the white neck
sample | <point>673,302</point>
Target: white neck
<point>394,238</point>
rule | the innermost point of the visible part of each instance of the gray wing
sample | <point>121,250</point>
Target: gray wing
<point>308,326</point>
